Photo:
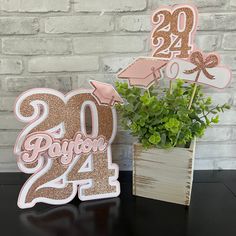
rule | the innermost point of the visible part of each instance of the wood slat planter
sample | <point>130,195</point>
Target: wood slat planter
<point>162,174</point>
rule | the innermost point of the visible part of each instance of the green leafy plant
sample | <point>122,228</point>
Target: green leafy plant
<point>161,118</point>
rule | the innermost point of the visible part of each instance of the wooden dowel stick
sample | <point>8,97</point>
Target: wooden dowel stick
<point>192,97</point>
<point>194,90</point>
<point>171,86</point>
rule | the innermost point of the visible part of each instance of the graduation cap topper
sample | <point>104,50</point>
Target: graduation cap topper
<point>143,72</point>
<point>105,93</point>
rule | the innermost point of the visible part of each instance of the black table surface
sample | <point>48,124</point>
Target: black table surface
<point>212,211</point>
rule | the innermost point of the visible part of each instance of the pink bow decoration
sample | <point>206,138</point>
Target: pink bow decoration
<point>201,69</point>
<point>105,94</point>
<point>143,72</point>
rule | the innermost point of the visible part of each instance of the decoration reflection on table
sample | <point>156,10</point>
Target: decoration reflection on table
<point>89,218</point>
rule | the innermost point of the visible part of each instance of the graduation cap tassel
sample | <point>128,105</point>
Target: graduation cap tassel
<point>154,75</point>
<point>112,100</point>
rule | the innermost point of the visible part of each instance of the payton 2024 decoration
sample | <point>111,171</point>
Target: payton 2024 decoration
<point>55,147</point>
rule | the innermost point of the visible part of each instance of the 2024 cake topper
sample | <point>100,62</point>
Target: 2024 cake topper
<point>57,150</point>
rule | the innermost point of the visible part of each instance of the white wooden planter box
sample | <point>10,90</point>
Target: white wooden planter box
<point>162,174</point>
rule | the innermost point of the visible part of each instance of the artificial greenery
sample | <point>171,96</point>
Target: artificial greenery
<point>161,118</point>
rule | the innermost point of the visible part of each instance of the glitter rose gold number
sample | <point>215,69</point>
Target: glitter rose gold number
<point>47,170</point>
<point>162,39</point>
<point>182,34</point>
<point>99,171</point>
<point>172,33</point>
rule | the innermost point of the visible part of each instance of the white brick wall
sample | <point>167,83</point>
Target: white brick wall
<point>79,24</point>
<point>10,66</point>
<point>18,25</point>
<point>62,44</point>
<point>108,44</point>
<point>63,64</point>
<point>21,84</point>
<point>34,5</point>
<point>210,42</point>
<point>115,64</point>
<point>132,23</point>
<point>36,46</point>
<point>198,3</point>
<point>217,21</point>
<point>110,5</point>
